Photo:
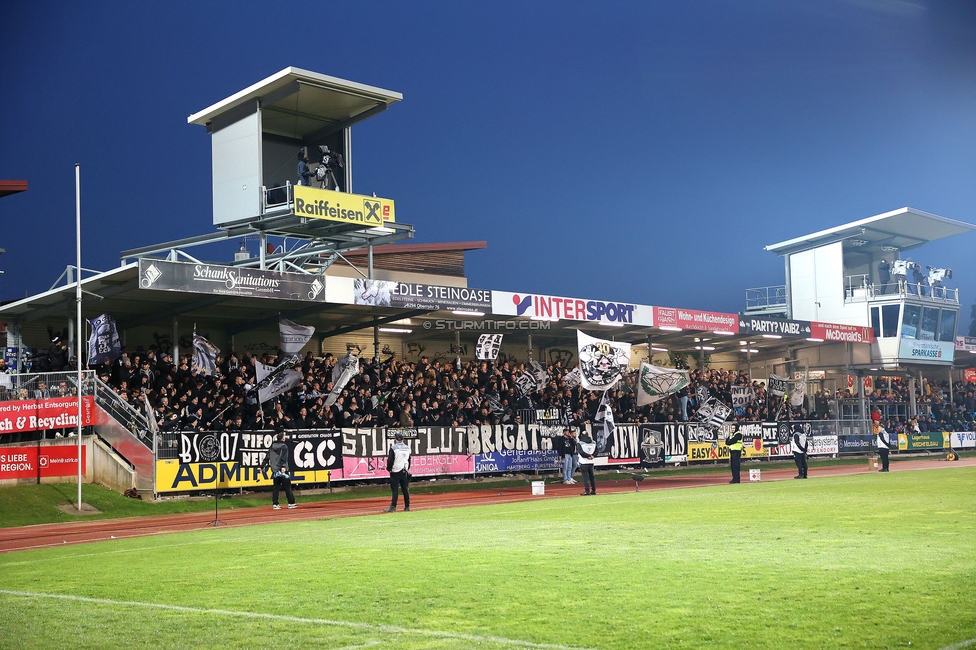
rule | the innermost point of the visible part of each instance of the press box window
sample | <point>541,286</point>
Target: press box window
<point>930,323</point>
<point>947,328</point>
<point>889,321</point>
<point>876,321</point>
<point>909,324</point>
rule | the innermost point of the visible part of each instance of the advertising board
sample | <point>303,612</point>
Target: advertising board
<point>574,309</point>
<point>357,209</point>
<point>217,279</point>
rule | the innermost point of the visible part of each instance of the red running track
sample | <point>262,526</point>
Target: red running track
<point>49,535</point>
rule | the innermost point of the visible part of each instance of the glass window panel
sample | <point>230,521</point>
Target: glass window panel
<point>876,322</point>
<point>930,323</point>
<point>947,328</point>
<point>889,320</point>
<point>909,324</point>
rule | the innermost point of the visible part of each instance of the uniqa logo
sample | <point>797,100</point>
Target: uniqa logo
<point>521,304</point>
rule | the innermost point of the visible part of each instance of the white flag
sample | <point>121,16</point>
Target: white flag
<point>293,336</point>
<point>572,378</point>
<point>796,397</point>
<point>345,369</point>
<point>777,385</point>
<point>655,383</point>
<point>282,380</point>
<point>601,362</point>
<point>742,396</point>
<point>488,346</point>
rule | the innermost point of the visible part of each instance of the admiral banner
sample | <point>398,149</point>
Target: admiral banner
<point>43,462</point>
<point>190,277</point>
<point>386,293</point>
<point>367,211</point>
<point>236,459</point>
<point>44,414</point>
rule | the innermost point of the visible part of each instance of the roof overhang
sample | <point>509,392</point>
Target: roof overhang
<point>297,102</point>
<point>902,229</point>
<point>12,187</point>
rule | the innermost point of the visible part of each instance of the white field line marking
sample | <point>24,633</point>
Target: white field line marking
<point>960,645</point>
<point>389,629</point>
<point>368,644</point>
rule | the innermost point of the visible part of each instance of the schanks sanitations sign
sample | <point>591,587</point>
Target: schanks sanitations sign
<point>163,275</point>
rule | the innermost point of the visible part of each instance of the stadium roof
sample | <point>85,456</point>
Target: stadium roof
<point>12,187</point>
<point>901,229</point>
<point>297,103</point>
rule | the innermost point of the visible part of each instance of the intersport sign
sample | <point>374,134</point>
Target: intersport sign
<point>575,309</point>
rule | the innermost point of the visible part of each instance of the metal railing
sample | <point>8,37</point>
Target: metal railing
<point>859,288</point>
<point>44,385</point>
<point>274,199</point>
<point>123,412</point>
<point>766,298</point>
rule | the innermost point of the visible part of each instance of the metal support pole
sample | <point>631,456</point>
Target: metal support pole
<point>913,405</point>
<point>78,357</point>
<point>457,348</point>
<point>369,262</point>
<point>262,253</point>
<point>176,342</point>
<point>530,347</point>
<point>376,345</point>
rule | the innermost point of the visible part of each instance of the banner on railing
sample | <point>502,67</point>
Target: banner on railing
<point>433,451</point>
<point>44,414</point>
<point>925,440</point>
<point>230,459</point>
<point>962,440</point>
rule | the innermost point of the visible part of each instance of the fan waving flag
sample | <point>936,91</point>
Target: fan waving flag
<point>488,346</point>
<point>293,336</point>
<point>104,344</point>
<point>204,355</point>
<point>273,381</point>
<point>345,369</point>
<point>655,383</point>
<point>601,362</point>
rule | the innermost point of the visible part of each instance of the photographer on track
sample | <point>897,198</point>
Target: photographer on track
<point>277,461</point>
<point>798,443</point>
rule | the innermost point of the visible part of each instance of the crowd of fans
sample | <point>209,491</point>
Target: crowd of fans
<point>396,393</point>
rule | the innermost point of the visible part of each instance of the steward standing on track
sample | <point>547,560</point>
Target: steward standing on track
<point>277,460</point>
<point>398,465</point>
<point>883,444</point>
<point>799,444</point>
<point>734,443</point>
<point>586,450</point>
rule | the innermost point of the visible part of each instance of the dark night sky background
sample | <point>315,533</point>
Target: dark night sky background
<point>638,151</point>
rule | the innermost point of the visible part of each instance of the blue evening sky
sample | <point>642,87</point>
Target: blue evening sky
<point>637,151</point>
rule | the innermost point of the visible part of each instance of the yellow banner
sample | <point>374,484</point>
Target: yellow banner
<point>706,451</point>
<point>902,442</point>
<point>174,476</point>
<point>368,211</point>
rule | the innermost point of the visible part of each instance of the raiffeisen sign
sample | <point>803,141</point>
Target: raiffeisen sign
<point>575,309</point>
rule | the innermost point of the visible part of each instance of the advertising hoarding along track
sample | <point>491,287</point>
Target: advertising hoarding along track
<point>216,279</point>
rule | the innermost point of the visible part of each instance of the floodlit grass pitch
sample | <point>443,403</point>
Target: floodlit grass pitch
<point>863,561</point>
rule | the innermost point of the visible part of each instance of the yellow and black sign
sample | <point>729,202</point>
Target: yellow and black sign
<point>705,451</point>
<point>174,476</point>
<point>367,211</point>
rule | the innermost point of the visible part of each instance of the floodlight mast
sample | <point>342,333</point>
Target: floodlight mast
<point>78,356</point>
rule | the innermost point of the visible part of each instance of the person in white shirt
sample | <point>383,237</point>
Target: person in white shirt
<point>798,444</point>
<point>883,442</point>
<point>398,465</point>
<point>586,449</point>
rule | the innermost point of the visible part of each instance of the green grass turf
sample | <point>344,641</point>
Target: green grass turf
<point>872,560</point>
<point>38,504</point>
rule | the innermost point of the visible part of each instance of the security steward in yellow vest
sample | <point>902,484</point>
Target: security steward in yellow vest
<point>734,443</point>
